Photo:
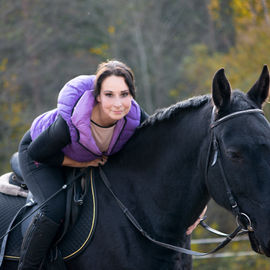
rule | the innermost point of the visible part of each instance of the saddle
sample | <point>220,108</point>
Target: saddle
<point>12,183</point>
<point>80,220</point>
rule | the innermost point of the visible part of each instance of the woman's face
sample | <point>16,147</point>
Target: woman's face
<point>114,99</point>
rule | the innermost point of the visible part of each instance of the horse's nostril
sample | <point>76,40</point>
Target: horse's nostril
<point>260,249</point>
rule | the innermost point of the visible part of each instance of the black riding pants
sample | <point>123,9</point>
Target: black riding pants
<point>43,180</point>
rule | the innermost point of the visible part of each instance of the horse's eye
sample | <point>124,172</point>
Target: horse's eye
<point>234,155</point>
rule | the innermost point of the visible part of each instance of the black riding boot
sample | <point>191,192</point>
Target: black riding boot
<point>37,241</point>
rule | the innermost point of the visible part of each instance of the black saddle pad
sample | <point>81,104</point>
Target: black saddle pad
<point>74,242</point>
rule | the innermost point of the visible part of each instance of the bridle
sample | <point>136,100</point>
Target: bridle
<point>242,219</point>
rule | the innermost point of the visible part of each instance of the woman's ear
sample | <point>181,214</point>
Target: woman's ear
<point>98,98</point>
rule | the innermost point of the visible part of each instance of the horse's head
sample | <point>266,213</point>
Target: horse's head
<point>241,156</point>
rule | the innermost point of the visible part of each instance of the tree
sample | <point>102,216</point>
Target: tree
<point>153,37</point>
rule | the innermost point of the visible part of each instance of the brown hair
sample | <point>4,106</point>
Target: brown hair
<point>115,68</point>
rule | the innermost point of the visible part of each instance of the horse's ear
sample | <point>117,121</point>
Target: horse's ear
<point>221,90</point>
<point>260,90</point>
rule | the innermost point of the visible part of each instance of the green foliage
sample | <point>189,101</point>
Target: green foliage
<point>232,263</point>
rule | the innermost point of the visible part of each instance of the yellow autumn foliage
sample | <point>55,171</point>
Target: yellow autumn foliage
<point>3,64</point>
<point>111,29</point>
<point>101,50</point>
<point>243,63</point>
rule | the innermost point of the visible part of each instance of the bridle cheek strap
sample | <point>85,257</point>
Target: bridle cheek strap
<point>240,216</point>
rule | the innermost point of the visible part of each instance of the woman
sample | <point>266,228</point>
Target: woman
<point>95,116</point>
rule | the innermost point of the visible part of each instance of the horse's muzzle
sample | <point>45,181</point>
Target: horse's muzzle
<point>257,246</point>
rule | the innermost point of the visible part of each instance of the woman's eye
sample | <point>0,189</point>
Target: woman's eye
<point>125,94</point>
<point>108,95</point>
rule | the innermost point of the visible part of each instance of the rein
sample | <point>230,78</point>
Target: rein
<point>137,225</point>
<point>235,208</point>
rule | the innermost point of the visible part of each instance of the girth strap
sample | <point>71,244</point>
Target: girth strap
<point>137,225</point>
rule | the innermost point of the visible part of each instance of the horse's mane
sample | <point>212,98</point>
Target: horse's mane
<point>167,113</point>
<point>238,99</point>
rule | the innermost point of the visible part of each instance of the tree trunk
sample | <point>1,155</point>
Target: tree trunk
<point>265,10</point>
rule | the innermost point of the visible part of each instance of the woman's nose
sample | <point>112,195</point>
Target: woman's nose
<point>117,102</point>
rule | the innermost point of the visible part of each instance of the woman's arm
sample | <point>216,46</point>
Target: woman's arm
<point>73,163</point>
<point>46,148</point>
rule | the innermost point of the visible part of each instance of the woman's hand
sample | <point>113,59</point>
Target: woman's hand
<point>192,227</point>
<point>97,162</point>
<point>93,163</point>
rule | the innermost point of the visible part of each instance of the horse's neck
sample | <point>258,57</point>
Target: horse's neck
<point>164,174</point>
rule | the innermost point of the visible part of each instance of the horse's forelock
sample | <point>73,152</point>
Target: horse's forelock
<point>240,101</point>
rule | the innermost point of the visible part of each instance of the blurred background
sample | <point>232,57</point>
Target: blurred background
<point>173,46</point>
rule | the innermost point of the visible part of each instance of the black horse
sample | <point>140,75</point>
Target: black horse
<point>168,171</point>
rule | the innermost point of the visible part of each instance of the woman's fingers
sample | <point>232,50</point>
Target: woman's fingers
<point>103,160</point>
<point>97,162</point>
<point>193,226</point>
